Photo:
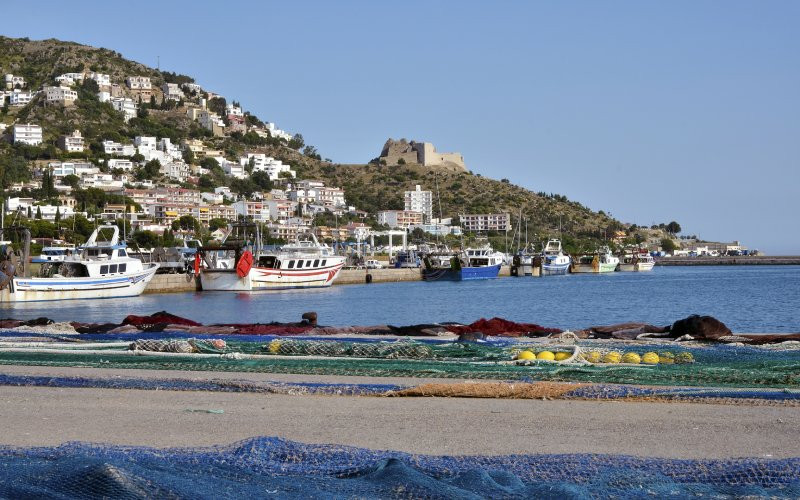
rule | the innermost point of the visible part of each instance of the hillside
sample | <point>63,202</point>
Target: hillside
<point>369,187</point>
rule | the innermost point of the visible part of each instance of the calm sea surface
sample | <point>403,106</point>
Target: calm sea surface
<point>746,298</point>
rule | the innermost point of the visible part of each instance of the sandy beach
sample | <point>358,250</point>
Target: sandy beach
<point>44,416</point>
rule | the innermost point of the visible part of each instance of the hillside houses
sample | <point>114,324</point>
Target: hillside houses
<point>72,143</point>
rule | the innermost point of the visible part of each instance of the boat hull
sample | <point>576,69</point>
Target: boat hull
<point>599,268</point>
<point>463,274</point>
<point>268,279</point>
<point>555,269</point>
<point>49,289</point>
<point>637,267</point>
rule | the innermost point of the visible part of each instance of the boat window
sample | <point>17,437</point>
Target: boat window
<point>291,264</point>
<point>93,252</point>
<point>316,263</point>
<point>122,267</point>
<point>122,252</point>
<point>113,268</point>
<point>324,261</point>
<point>104,269</point>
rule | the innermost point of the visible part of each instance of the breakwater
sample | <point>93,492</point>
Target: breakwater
<point>745,260</point>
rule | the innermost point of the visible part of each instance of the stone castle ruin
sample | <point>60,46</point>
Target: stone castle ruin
<point>421,153</point>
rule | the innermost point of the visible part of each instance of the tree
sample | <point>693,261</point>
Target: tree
<point>38,212</point>
<point>209,163</point>
<point>206,182</point>
<point>297,142</point>
<point>673,227</point>
<point>244,187</point>
<point>668,245</point>
<point>150,170</point>
<point>146,239</point>
<point>58,214</point>
<point>188,156</point>
<point>187,223</point>
<point>262,180</point>
<point>217,223</point>
<point>72,180</point>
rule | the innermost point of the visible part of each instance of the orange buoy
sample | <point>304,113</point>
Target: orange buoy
<point>244,264</point>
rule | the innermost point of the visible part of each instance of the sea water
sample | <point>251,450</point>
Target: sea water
<point>746,298</point>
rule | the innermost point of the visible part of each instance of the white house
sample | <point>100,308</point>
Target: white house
<point>13,82</point>
<point>213,198</point>
<point>274,131</point>
<point>118,149</point>
<point>102,79</point>
<point>63,96</point>
<point>119,163</point>
<point>106,182</point>
<point>264,163</point>
<point>138,82</point>
<point>224,191</point>
<point>172,91</point>
<point>20,98</point>
<point>420,201</point>
<point>124,105</point>
<point>69,79</point>
<point>211,121</point>
<point>145,143</point>
<point>173,150</point>
<point>27,133</point>
<point>64,168</point>
<point>232,110</point>
<point>192,87</point>
<point>177,170</point>
<point>71,143</point>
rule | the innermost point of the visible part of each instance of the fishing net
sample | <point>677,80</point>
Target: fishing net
<point>263,466</point>
<point>677,364</point>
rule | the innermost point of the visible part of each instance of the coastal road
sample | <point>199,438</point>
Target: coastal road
<point>36,416</point>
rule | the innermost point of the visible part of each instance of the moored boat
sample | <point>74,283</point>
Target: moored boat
<point>100,270</point>
<point>471,264</point>
<point>54,254</point>
<point>526,263</point>
<point>243,265</point>
<point>602,261</point>
<point>637,262</point>
<point>554,260</point>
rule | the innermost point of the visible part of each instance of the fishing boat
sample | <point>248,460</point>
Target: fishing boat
<point>554,260</point>
<point>471,264</point>
<point>602,261</point>
<point>99,270</point>
<point>526,263</point>
<point>54,254</point>
<point>637,262</point>
<point>244,265</point>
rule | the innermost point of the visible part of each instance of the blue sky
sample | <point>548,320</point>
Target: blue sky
<point>651,111</point>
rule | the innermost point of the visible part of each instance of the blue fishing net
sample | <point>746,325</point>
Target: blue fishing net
<point>271,467</point>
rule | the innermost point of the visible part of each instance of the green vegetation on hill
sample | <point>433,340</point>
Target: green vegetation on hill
<point>370,187</point>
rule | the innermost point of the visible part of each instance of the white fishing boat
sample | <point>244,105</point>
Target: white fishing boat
<point>554,260</point>
<point>526,263</point>
<point>637,262</point>
<point>603,261</point>
<point>99,270</point>
<point>242,265</point>
<point>54,254</point>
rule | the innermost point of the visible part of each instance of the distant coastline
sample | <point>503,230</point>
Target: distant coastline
<point>747,260</point>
